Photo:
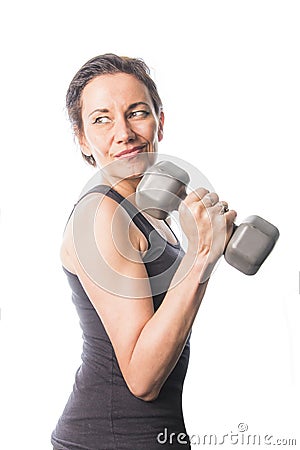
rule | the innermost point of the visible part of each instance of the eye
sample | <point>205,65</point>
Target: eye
<point>102,120</point>
<point>140,114</point>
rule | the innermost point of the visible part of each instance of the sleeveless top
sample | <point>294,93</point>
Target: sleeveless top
<point>101,412</point>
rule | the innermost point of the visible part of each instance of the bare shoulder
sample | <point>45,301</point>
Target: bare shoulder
<point>103,218</point>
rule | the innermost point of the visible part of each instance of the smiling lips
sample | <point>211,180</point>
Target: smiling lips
<point>130,152</point>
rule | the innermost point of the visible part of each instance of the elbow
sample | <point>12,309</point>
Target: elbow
<point>148,397</point>
<point>147,394</point>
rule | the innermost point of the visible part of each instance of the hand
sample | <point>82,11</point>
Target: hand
<point>207,224</point>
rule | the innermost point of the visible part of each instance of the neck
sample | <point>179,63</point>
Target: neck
<point>127,187</point>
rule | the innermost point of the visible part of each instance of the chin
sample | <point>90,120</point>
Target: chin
<point>130,167</point>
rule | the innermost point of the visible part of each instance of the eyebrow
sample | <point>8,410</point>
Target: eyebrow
<point>132,106</point>
<point>135,105</point>
<point>101,110</point>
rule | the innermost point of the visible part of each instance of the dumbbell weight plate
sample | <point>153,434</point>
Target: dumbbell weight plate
<point>251,243</point>
<point>160,195</point>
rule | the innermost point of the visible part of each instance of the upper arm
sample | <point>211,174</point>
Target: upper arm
<point>112,273</point>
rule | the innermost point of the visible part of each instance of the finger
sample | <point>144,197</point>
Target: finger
<point>210,199</point>
<point>221,207</point>
<point>195,195</point>
<point>230,215</point>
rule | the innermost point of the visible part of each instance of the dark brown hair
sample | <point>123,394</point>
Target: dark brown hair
<point>100,65</point>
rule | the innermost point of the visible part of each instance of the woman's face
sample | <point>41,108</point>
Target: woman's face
<point>119,120</point>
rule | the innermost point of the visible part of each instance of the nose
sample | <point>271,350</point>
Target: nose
<point>123,131</point>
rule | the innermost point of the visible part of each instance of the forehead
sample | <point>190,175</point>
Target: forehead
<point>114,89</point>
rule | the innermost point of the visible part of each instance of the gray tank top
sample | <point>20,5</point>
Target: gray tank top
<point>101,413</point>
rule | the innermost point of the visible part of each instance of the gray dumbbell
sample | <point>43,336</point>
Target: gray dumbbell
<point>164,186</point>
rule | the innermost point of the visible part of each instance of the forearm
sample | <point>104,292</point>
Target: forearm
<point>163,338</point>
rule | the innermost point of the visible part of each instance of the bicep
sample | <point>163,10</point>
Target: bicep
<point>114,277</point>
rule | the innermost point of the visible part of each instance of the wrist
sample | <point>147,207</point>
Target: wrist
<point>202,263</point>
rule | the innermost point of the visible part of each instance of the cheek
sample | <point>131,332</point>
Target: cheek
<point>149,132</point>
<point>97,142</point>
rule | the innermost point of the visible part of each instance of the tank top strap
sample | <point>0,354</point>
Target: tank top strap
<point>139,220</point>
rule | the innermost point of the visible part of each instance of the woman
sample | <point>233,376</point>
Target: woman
<point>128,391</point>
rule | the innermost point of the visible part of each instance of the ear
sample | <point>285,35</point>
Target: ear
<point>85,149</point>
<point>161,126</point>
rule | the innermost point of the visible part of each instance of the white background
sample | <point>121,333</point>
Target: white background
<point>228,73</point>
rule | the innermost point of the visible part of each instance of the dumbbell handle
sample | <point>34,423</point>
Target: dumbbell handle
<point>183,194</point>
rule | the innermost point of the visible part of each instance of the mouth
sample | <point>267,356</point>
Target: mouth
<point>130,152</point>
